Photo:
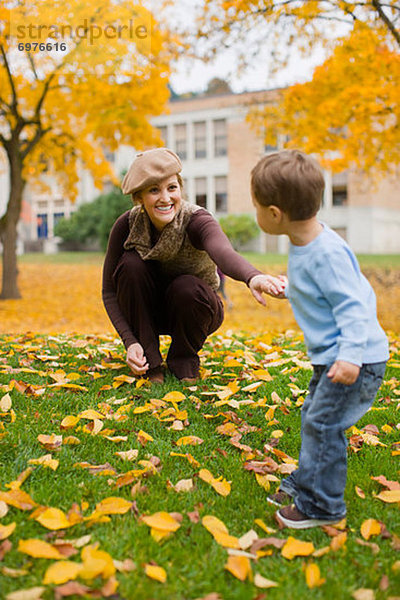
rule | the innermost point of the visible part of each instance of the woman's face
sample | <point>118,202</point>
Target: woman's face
<point>162,201</point>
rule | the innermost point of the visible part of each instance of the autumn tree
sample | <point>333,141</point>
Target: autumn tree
<point>76,80</point>
<point>349,112</point>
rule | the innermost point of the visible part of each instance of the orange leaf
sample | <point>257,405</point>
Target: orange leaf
<point>370,527</point>
<point>155,572</point>
<point>239,566</point>
<point>220,532</point>
<point>295,547</point>
<point>190,440</point>
<point>338,541</point>
<point>313,576</point>
<point>18,499</point>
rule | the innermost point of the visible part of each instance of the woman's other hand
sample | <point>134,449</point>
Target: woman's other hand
<point>267,284</point>
<point>136,359</point>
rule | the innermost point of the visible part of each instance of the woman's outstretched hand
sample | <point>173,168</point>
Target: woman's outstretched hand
<point>267,284</point>
<point>136,359</point>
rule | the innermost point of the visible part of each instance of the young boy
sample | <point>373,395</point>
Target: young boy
<point>335,307</point>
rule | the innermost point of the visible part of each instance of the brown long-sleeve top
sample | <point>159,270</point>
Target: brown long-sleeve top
<point>204,233</point>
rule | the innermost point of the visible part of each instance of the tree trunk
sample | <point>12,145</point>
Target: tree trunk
<point>9,226</point>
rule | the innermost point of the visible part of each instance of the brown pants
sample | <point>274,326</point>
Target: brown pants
<point>185,308</point>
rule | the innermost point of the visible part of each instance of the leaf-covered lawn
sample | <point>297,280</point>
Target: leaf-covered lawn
<point>111,487</point>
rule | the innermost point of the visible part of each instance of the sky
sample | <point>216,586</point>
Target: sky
<point>194,75</point>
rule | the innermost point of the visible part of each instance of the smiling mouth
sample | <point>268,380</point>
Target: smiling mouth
<point>164,208</point>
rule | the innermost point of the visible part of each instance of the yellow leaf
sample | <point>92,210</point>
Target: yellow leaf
<point>262,582</point>
<point>69,422</point>
<point>28,594</point>
<point>6,530</point>
<point>18,499</point>
<point>50,442</point>
<point>144,437</point>
<point>389,496</point>
<point>262,374</point>
<point>96,562</point>
<point>54,519</point>
<point>239,566</point>
<point>252,387</point>
<point>189,457</point>
<point>220,532</point>
<point>162,521</point>
<point>263,481</point>
<point>46,461</point>
<point>91,414</point>
<point>38,549</point>
<point>61,572</point>
<point>220,485</point>
<point>156,572</point>
<point>263,526</point>
<point>313,576</point>
<point>113,506</point>
<point>190,440</point>
<point>277,433</point>
<point>370,527</point>
<point>295,547</point>
<point>174,397</point>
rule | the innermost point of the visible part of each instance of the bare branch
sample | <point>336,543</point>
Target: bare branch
<point>11,81</point>
<point>378,7</point>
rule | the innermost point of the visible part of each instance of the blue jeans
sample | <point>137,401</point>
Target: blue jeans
<point>318,484</point>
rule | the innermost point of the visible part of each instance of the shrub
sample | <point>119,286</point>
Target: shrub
<point>240,229</point>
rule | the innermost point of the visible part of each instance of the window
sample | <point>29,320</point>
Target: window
<point>339,196</point>
<point>200,184</point>
<point>221,194</point>
<point>181,140</point>
<point>42,226</point>
<point>200,140</point>
<point>220,138</point>
<point>339,189</point>
<point>57,217</point>
<point>163,134</point>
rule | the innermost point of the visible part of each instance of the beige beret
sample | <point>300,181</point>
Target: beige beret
<point>149,167</point>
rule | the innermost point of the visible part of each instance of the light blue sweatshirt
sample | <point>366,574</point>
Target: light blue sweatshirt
<point>333,303</point>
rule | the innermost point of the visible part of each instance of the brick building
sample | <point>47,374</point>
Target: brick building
<point>218,150</point>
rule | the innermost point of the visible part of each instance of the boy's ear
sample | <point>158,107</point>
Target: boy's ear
<point>275,212</point>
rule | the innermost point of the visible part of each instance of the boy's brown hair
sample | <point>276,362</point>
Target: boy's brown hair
<point>290,180</point>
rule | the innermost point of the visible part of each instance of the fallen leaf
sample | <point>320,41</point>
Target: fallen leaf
<point>69,422</point>
<point>61,572</point>
<point>3,509</point>
<point>91,415</point>
<point>391,485</point>
<point>313,576</point>
<point>54,519</point>
<point>220,485</point>
<point>338,541</point>
<point>246,540</point>
<point>28,594</point>
<point>389,496</point>
<point>96,563</point>
<point>239,566</point>
<point>156,572</point>
<point>220,532</point>
<point>6,530</point>
<point>46,461</point>
<point>374,547</point>
<point>370,527</point>
<point>162,521</point>
<point>18,499</point>
<point>184,485</point>
<point>262,582</point>
<point>113,505</point>
<point>50,442</point>
<point>174,397</point>
<point>360,493</point>
<point>38,549</point>
<point>190,440</point>
<point>5,403</point>
<point>128,454</point>
<point>71,588</point>
<point>363,594</point>
<point>295,547</point>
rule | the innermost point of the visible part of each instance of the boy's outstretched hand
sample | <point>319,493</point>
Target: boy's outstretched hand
<point>267,284</point>
<point>343,372</point>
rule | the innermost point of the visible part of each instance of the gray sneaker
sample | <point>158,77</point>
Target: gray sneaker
<point>280,498</point>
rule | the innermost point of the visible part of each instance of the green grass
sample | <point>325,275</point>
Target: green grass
<point>386,261</point>
<point>193,560</point>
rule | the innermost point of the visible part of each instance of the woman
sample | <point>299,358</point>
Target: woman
<point>160,271</point>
